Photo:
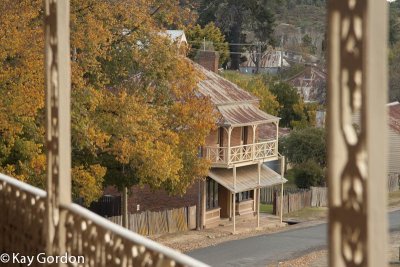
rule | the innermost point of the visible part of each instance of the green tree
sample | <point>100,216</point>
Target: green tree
<point>308,174</point>
<point>394,23</point>
<point>211,34</point>
<point>303,145</point>
<point>291,105</point>
<point>309,47</point>
<point>235,18</point>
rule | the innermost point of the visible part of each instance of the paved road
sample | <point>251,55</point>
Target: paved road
<point>271,248</point>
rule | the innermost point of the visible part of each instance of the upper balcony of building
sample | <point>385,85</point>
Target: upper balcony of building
<point>242,145</point>
<point>245,133</point>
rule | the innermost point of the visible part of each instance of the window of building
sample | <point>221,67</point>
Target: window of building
<point>211,194</point>
<point>243,196</point>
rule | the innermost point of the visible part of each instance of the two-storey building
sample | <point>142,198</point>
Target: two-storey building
<point>246,137</point>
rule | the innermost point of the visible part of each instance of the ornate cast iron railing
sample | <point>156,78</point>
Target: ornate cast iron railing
<point>100,242</point>
<point>23,217</point>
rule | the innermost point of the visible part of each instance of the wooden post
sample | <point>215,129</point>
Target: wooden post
<point>234,213</point>
<point>282,175</point>
<point>58,122</point>
<point>253,150</point>
<point>255,202</point>
<point>125,207</point>
<point>258,207</point>
<point>234,199</point>
<point>357,84</point>
<point>203,217</point>
<point>230,205</point>
<point>258,194</point>
<point>198,208</point>
<point>234,178</point>
<point>228,161</point>
<point>277,138</point>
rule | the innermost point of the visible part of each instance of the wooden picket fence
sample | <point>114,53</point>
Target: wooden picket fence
<point>319,197</point>
<point>292,201</point>
<point>267,194</point>
<point>158,222</point>
<point>315,197</point>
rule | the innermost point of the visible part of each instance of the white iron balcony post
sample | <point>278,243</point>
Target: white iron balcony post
<point>228,160</point>
<point>58,138</point>
<point>253,148</point>
<point>277,139</point>
<point>356,160</point>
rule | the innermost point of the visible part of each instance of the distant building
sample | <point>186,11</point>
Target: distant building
<point>310,84</point>
<point>244,139</point>
<point>393,156</point>
<point>177,36</point>
<point>271,62</point>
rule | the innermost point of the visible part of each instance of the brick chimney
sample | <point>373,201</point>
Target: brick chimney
<point>208,59</point>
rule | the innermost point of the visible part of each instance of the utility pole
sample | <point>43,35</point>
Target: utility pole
<point>281,52</point>
<point>258,57</point>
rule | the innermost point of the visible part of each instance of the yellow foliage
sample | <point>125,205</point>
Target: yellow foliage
<point>136,117</point>
<point>87,182</point>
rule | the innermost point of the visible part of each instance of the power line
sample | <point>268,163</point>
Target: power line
<point>232,44</point>
<point>235,53</point>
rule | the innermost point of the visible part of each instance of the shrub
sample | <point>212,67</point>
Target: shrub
<point>308,174</point>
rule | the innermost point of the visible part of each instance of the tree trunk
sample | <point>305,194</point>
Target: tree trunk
<point>125,207</point>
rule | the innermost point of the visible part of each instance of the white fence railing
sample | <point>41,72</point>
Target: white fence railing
<point>243,153</point>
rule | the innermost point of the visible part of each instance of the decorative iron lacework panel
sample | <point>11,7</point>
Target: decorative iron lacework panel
<point>22,219</point>
<point>105,245</point>
<point>349,213</point>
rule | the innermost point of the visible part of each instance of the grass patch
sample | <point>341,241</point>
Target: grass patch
<point>394,198</point>
<point>266,208</point>
<point>308,214</point>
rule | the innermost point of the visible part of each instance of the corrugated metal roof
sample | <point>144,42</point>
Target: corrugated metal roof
<point>246,178</point>
<point>220,90</point>
<point>242,114</point>
<point>394,116</point>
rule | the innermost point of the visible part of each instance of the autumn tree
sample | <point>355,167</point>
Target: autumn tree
<point>136,117</point>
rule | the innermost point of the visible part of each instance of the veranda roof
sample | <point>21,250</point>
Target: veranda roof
<point>242,114</point>
<point>246,178</point>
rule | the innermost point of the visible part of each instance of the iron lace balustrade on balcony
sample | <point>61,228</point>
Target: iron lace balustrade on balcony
<point>100,242</point>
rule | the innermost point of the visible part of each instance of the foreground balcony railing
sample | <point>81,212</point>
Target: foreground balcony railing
<point>98,241</point>
<point>226,156</point>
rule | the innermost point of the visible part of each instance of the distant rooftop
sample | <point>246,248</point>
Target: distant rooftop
<point>236,106</point>
<point>177,36</point>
